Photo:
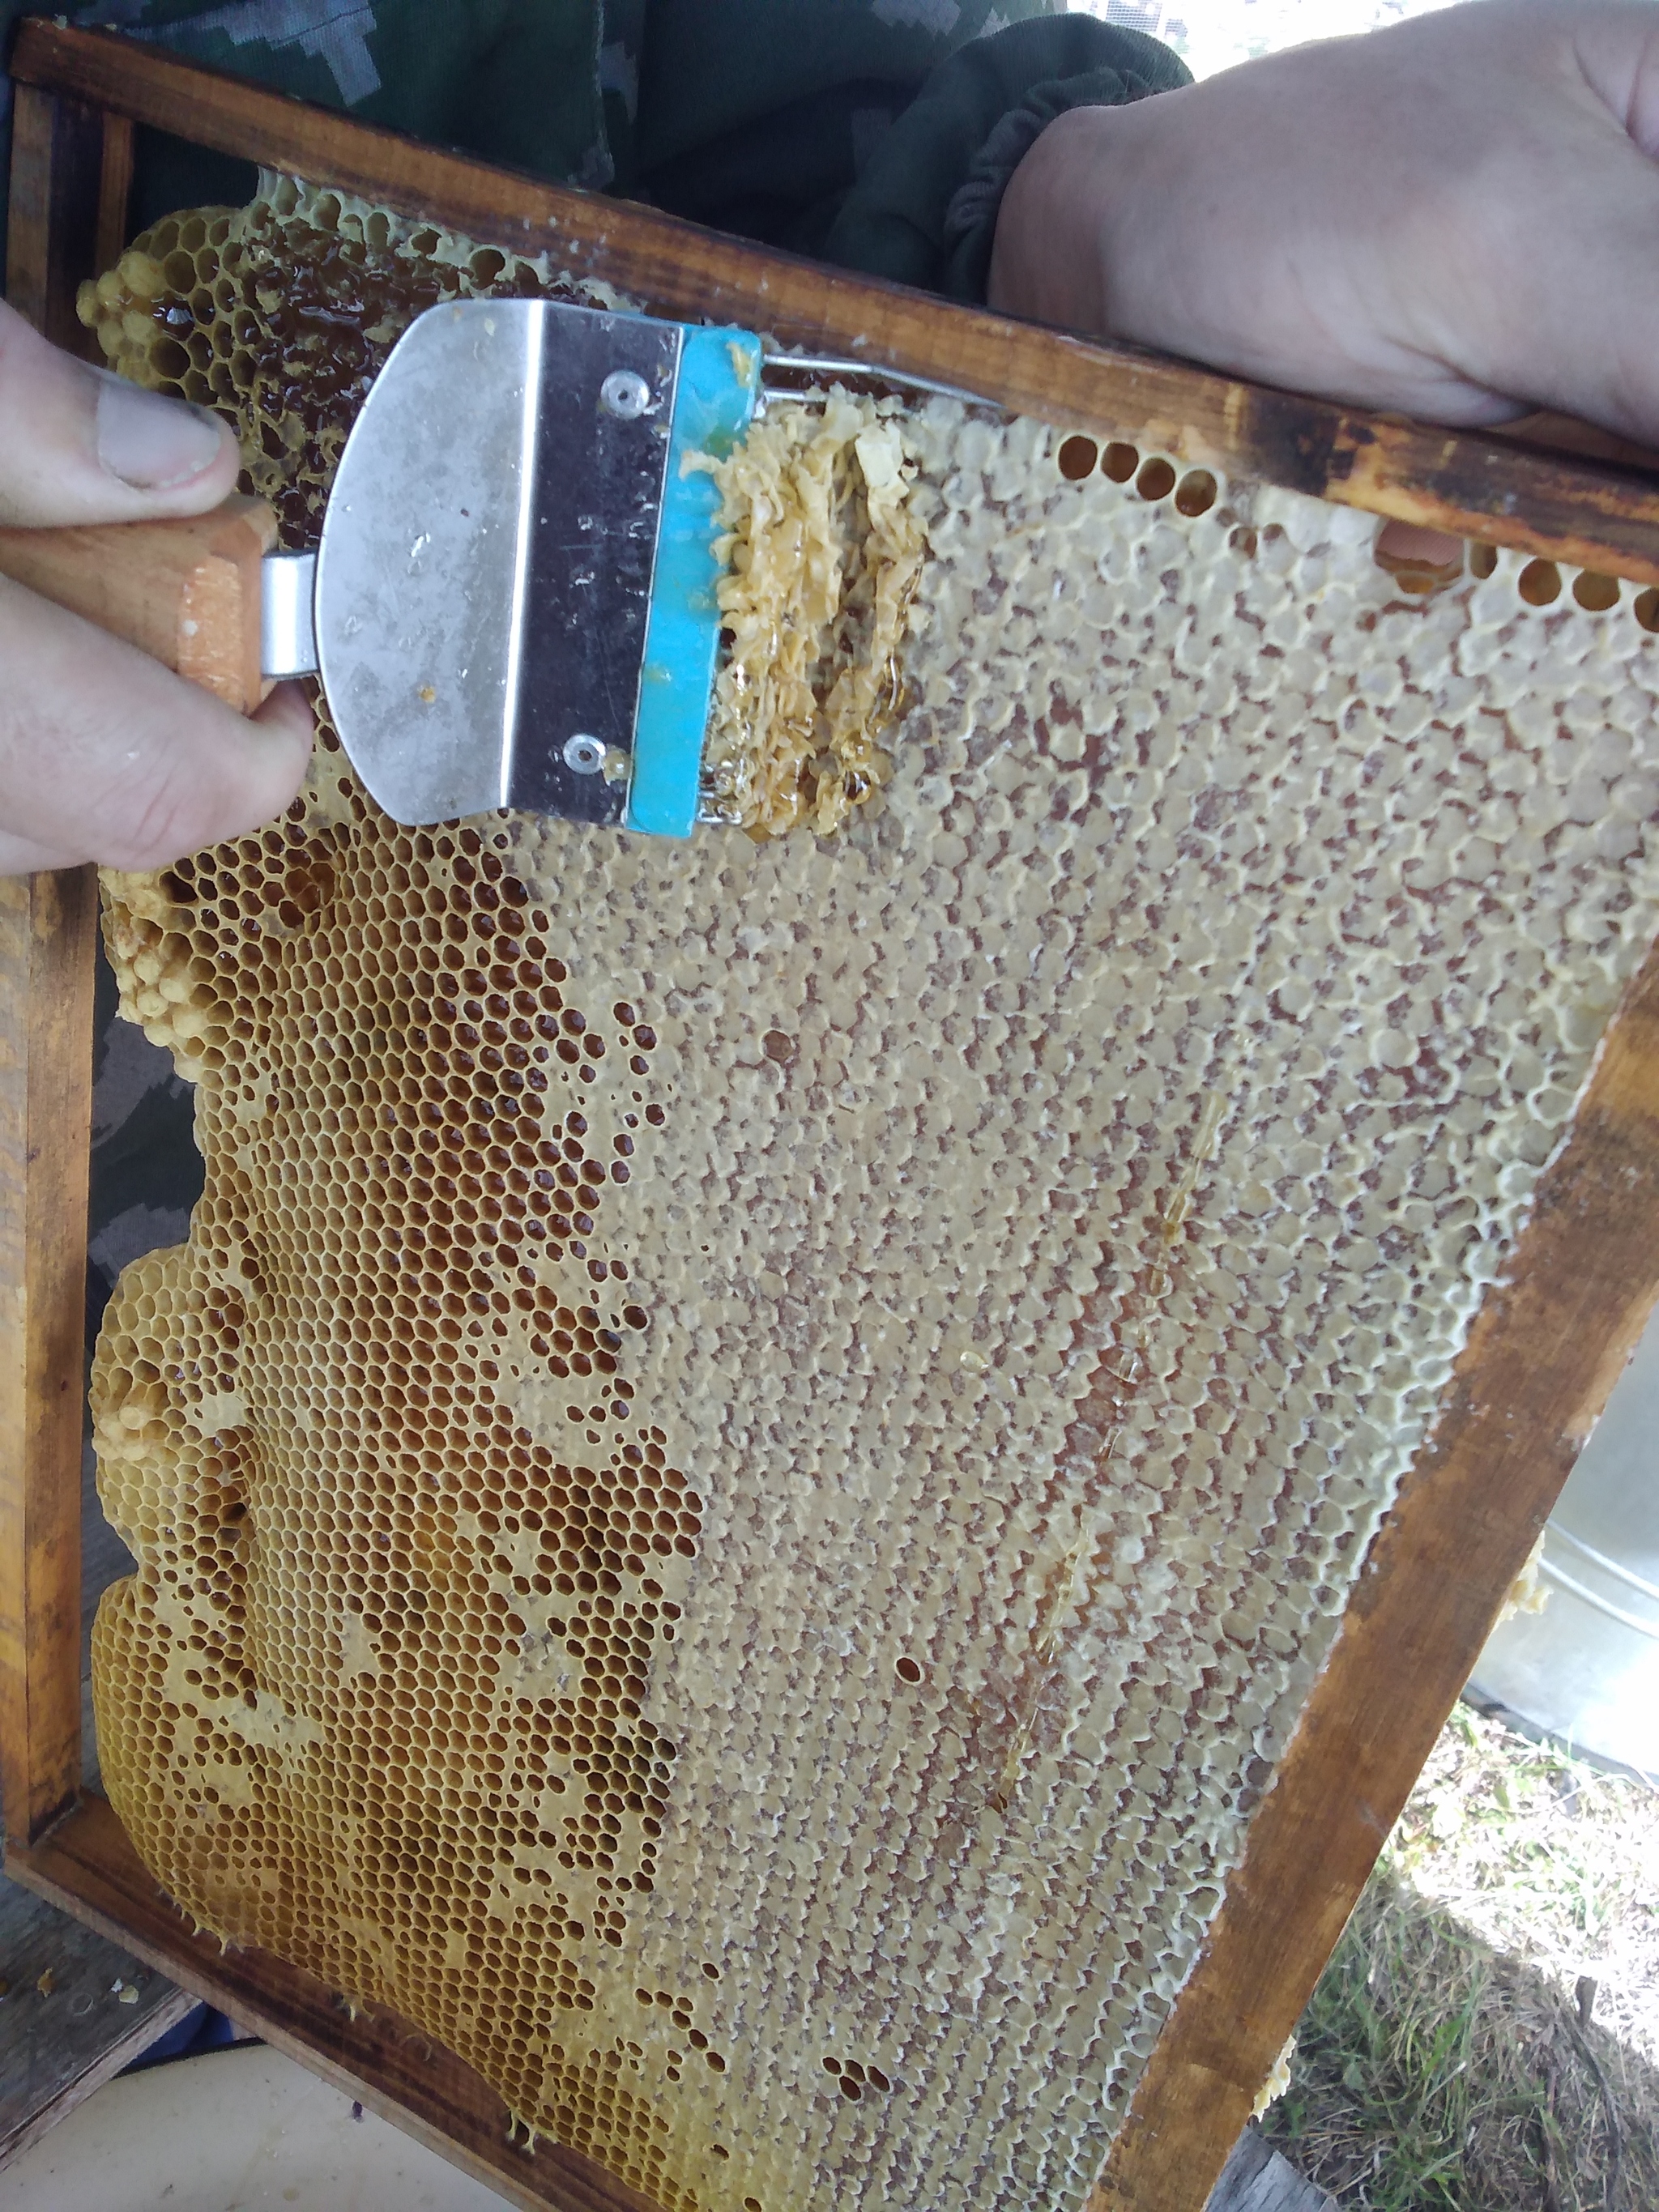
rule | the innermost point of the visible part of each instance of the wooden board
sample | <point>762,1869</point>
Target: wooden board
<point>87,1866</point>
<point>104,2006</point>
<point>59,211</point>
<point>1570,509</point>
<point>58,2044</point>
<point>48,925</point>
<point>68,204</point>
<point>67,198</point>
<point>1550,1340</point>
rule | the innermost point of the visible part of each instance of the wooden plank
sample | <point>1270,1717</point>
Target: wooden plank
<point>104,2006</point>
<point>1576,510</point>
<point>114,190</point>
<point>87,1866</point>
<point>51,236</point>
<point>68,195</point>
<point>1550,1341</point>
<point>55,2050</point>
<point>1257,2178</point>
<point>58,2044</point>
<point>47,934</point>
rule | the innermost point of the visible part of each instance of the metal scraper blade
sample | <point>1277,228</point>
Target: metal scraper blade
<point>485,626</point>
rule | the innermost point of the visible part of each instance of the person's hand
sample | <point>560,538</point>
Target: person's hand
<point>105,755</point>
<point>1456,216</point>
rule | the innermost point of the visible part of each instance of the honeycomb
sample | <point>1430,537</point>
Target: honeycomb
<point>281,314</point>
<point>758,1443</point>
<point>823,555</point>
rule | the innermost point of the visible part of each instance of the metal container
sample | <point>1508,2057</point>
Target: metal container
<point>1586,1668</point>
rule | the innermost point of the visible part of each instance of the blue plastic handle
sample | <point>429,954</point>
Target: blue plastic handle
<point>714,405</point>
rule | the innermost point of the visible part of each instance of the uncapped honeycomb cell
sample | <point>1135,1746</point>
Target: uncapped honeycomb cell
<point>758,1442</point>
<point>281,314</point>
<point>823,552</point>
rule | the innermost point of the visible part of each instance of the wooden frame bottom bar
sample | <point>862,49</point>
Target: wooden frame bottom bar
<point>87,1866</point>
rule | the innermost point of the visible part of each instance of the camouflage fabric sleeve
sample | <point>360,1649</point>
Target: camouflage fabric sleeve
<point>773,118</point>
<point>515,81</point>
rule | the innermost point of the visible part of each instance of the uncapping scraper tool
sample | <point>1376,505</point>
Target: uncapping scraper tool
<point>514,599</point>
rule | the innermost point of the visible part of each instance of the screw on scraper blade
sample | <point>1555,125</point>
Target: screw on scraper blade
<point>514,602</point>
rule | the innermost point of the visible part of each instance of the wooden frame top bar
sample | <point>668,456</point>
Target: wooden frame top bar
<point>1560,507</point>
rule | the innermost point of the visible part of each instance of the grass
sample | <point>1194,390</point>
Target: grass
<point>1487,2036</point>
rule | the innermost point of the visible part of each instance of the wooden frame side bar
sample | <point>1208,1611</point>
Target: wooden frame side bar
<point>115,192</point>
<point>1574,510</point>
<point>48,925</point>
<point>1550,1341</point>
<point>55,197</point>
<point>88,1868</point>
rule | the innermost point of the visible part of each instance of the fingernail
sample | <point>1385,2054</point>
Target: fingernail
<point>150,441</point>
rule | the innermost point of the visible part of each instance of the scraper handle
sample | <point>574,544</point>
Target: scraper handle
<point>185,592</point>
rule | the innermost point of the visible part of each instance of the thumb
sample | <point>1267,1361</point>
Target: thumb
<point>79,445</point>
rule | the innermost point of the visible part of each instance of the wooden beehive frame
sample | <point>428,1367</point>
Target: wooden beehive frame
<point>1544,1353</point>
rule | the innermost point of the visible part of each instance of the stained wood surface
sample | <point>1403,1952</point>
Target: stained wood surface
<point>47,926</point>
<point>61,188</point>
<point>1576,510</point>
<point>87,1866</point>
<point>186,591</point>
<point>104,2006</point>
<point>56,197</point>
<point>59,2044</point>
<point>114,191</point>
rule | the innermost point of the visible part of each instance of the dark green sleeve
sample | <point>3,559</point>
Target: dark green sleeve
<point>924,212</point>
<point>877,134</point>
<point>518,81</point>
<point>761,116</point>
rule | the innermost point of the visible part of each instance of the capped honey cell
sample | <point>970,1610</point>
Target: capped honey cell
<point>749,1583</point>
